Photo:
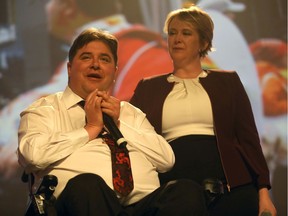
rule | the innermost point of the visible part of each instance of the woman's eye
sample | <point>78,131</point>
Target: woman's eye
<point>187,33</point>
<point>171,33</point>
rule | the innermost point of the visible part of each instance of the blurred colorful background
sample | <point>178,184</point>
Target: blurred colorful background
<point>250,37</point>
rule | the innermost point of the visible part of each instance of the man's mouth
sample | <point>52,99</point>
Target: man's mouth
<point>94,76</point>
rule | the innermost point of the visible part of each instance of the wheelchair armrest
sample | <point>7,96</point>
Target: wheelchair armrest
<point>47,186</point>
<point>43,195</point>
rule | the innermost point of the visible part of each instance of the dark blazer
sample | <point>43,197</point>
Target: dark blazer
<point>237,137</point>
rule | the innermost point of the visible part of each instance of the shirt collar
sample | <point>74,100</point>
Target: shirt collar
<point>172,78</point>
<point>69,98</point>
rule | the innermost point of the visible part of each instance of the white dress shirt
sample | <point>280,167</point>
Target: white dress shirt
<point>52,140</point>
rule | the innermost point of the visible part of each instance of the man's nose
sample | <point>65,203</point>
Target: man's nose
<point>95,64</point>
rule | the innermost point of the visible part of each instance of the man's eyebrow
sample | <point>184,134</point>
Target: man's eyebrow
<point>105,54</point>
<point>85,53</point>
<point>101,54</point>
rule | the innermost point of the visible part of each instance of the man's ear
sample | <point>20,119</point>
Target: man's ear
<point>69,68</point>
<point>116,73</point>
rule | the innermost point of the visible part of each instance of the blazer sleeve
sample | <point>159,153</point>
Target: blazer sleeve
<point>247,135</point>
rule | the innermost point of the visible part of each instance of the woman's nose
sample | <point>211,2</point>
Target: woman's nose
<point>178,38</point>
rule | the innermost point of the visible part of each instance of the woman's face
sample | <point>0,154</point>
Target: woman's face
<point>183,41</point>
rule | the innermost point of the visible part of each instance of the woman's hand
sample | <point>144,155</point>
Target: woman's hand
<point>266,207</point>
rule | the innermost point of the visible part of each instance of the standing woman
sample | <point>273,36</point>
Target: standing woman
<point>207,118</point>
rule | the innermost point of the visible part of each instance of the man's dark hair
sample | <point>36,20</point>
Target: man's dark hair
<point>93,34</point>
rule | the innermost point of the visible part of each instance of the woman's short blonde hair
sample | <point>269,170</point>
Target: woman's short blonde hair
<point>200,20</point>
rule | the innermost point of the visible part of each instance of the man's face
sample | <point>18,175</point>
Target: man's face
<point>93,67</point>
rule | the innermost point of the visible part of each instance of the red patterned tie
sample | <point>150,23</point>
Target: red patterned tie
<point>121,167</point>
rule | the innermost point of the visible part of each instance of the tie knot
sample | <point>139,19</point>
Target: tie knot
<point>82,103</point>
